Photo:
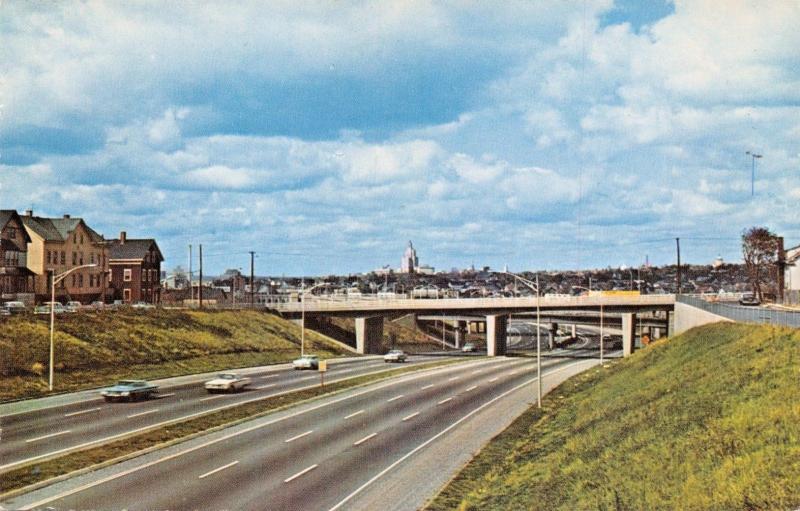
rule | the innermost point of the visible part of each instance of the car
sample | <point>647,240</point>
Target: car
<point>143,305</point>
<point>97,305</point>
<point>749,299</point>
<point>395,356</point>
<point>129,390</point>
<point>73,306</point>
<point>469,347</point>
<point>14,307</point>
<point>306,362</point>
<point>44,308</point>
<point>41,309</point>
<point>4,312</point>
<point>227,382</point>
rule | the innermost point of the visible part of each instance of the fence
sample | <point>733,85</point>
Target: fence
<point>744,314</point>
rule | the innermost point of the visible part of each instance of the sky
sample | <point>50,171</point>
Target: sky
<point>324,135</point>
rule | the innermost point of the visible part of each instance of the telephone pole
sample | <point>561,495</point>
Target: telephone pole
<point>252,275</point>
<point>678,244</point>
<point>200,287</point>
<point>191,277</point>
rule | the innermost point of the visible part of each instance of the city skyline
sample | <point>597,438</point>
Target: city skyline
<point>324,136</point>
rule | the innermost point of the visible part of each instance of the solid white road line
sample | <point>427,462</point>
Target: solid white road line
<point>410,416</point>
<point>262,387</point>
<point>47,436</point>
<point>354,414</point>
<point>494,379</point>
<point>443,401</point>
<point>162,396</point>
<point>441,433</point>
<point>90,410</point>
<point>471,388</point>
<point>301,435</point>
<point>395,398</point>
<point>365,439</point>
<point>302,472</point>
<point>453,378</point>
<point>269,376</point>
<point>229,465</point>
<point>428,386</point>
<point>148,412</point>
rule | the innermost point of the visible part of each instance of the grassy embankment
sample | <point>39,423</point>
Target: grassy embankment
<point>94,349</point>
<point>707,420</point>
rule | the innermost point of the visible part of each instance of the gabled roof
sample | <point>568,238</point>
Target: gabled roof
<point>6,215</point>
<point>133,249</point>
<point>57,229</point>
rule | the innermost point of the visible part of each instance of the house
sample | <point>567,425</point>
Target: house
<point>791,277</point>
<point>135,269</point>
<point>16,279</point>
<point>60,245</point>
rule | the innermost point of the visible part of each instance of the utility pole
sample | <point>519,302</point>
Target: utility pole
<point>781,269</point>
<point>252,266</point>
<point>678,244</point>
<point>200,287</point>
<point>191,275</point>
<point>753,172</point>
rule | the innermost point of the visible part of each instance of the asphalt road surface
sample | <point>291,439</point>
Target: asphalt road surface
<point>332,453</point>
<point>47,431</point>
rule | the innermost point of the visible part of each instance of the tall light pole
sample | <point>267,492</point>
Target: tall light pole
<point>56,279</point>
<point>535,287</point>
<point>753,157</point>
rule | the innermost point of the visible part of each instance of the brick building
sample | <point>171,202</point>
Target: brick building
<point>135,269</point>
<point>16,280</point>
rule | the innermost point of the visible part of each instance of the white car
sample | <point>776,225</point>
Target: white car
<point>73,306</point>
<point>306,362</point>
<point>227,382</point>
<point>395,356</point>
<point>469,347</point>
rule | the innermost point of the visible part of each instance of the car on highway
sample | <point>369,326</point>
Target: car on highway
<point>395,356</point>
<point>469,347</point>
<point>306,362</point>
<point>749,299</point>
<point>227,382</point>
<point>129,390</point>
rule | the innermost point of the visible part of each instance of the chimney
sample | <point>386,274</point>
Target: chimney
<point>28,212</point>
<point>122,237</point>
<point>66,215</point>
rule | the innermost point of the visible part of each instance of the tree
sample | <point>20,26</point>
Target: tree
<point>760,251</point>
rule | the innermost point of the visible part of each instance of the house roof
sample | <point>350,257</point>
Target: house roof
<point>57,229</point>
<point>133,249</point>
<point>6,215</point>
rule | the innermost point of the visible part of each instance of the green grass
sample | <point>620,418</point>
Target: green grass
<point>45,470</point>
<point>707,420</point>
<point>94,349</point>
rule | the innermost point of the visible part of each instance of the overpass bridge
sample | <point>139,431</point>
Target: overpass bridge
<point>369,312</point>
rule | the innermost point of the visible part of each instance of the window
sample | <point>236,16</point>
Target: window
<point>126,275</point>
<point>75,238</point>
<point>48,257</point>
<point>81,239</point>
<point>74,259</point>
<point>73,279</point>
<point>80,258</point>
<point>126,294</point>
<point>12,233</point>
<point>63,257</point>
<point>80,280</point>
<point>91,258</point>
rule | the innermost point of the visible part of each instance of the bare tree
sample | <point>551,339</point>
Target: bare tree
<point>760,250</point>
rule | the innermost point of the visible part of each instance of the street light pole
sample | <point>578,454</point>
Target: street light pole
<point>55,280</point>
<point>753,171</point>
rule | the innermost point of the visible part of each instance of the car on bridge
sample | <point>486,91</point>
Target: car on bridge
<point>469,347</point>
<point>306,362</point>
<point>129,390</point>
<point>395,356</point>
<point>227,382</point>
<point>749,299</point>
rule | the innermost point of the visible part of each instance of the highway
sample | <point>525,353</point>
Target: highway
<point>45,432</point>
<point>328,454</point>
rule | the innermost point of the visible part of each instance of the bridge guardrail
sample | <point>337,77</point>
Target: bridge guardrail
<point>744,314</point>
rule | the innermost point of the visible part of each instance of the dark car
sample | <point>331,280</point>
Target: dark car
<point>749,299</point>
<point>129,390</point>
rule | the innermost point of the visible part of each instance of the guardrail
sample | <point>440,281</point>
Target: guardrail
<point>744,314</point>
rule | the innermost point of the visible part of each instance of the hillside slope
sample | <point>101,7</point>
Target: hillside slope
<point>95,348</point>
<point>707,420</point>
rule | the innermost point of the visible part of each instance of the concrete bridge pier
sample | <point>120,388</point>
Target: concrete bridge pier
<point>628,334</point>
<point>369,335</point>
<point>461,332</point>
<point>496,334</point>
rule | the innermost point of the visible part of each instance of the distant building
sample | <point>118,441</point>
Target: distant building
<point>15,277</point>
<point>135,269</point>
<point>410,261</point>
<point>60,244</point>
